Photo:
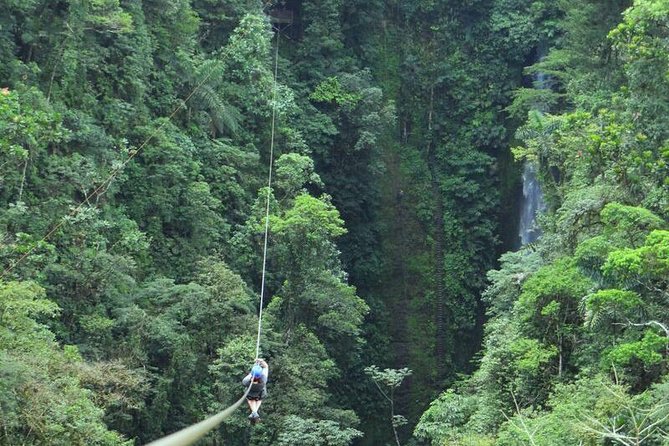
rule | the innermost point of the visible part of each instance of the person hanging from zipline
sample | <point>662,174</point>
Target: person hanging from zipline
<point>257,379</point>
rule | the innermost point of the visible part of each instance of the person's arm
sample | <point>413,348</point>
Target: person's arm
<point>247,380</point>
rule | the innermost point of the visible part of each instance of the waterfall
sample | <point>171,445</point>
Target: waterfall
<point>532,203</point>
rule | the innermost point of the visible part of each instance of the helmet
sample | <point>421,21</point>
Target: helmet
<point>256,371</point>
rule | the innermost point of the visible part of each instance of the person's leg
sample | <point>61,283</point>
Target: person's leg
<point>251,405</point>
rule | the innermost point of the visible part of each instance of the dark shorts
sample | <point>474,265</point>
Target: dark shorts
<point>256,396</point>
<point>258,391</point>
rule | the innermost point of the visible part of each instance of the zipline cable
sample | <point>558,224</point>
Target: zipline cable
<point>104,186</point>
<point>269,195</point>
<point>191,434</point>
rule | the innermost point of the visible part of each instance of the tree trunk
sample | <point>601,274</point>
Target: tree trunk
<point>560,362</point>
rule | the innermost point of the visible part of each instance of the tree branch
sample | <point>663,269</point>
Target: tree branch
<point>646,324</point>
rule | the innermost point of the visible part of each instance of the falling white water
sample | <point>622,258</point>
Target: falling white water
<point>532,203</point>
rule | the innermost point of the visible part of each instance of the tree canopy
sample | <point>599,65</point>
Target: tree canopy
<point>136,141</point>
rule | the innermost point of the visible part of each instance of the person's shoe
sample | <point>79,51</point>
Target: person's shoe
<point>252,416</point>
<point>255,415</point>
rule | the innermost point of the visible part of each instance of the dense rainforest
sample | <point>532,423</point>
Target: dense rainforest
<point>400,306</point>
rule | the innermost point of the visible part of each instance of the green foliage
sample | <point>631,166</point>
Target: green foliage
<point>591,411</point>
<point>391,134</point>
<point>331,90</point>
<point>22,304</point>
<point>182,215</point>
<point>312,432</point>
<point>104,15</point>
<point>611,300</point>
<point>136,271</point>
<point>549,300</point>
<point>295,171</point>
<point>28,127</point>
<point>42,398</point>
<point>640,39</point>
<point>634,222</point>
<point>445,421</point>
<point>598,280</point>
<point>176,331</point>
<point>391,378</point>
<point>506,283</point>
<point>24,131</point>
<point>530,356</point>
<point>645,350</point>
<point>648,262</point>
<point>312,219</point>
<point>314,292</point>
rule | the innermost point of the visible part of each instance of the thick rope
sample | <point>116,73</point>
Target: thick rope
<point>269,195</point>
<point>193,433</point>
